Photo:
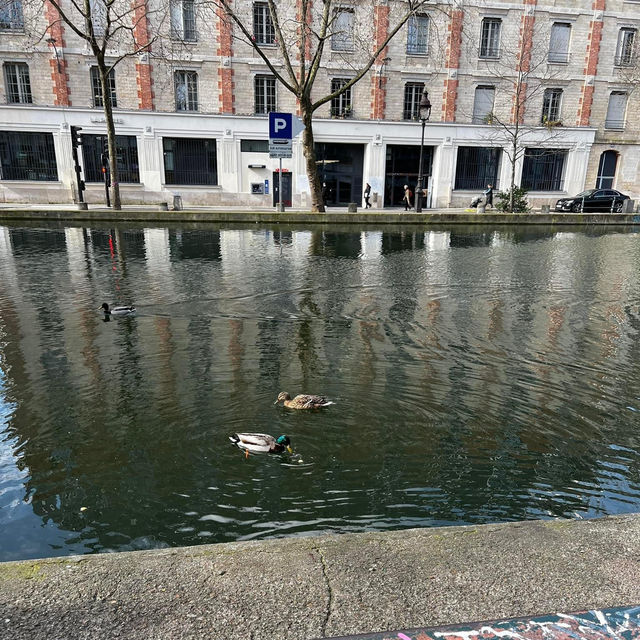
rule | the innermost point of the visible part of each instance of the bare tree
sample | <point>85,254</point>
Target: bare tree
<point>304,36</point>
<point>522,78</point>
<point>113,30</point>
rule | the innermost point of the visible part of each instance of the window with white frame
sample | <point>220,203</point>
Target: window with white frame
<point>183,20</point>
<point>616,110</point>
<point>483,104</point>
<point>418,34</point>
<point>96,87</point>
<point>559,42</point>
<point>412,95</point>
<point>264,94</point>
<point>11,17</point>
<point>186,89</point>
<point>490,38</point>
<point>626,48</point>
<point>340,105</point>
<point>98,10</point>
<point>263,30</point>
<point>551,103</point>
<point>342,30</point>
<point>16,82</point>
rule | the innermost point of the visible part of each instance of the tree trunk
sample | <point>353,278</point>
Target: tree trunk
<point>317,202</point>
<point>111,136</point>
<point>514,159</point>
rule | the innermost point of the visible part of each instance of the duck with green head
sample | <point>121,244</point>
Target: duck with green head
<point>261,443</point>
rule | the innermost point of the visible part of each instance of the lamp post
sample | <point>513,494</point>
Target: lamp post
<point>424,111</point>
<point>52,42</point>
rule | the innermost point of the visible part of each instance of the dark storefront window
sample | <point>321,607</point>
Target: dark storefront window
<point>190,161</point>
<point>542,169</point>
<point>477,167</point>
<point>27,156</point>
<point>402,168</point>
<point>126,153</point>
<point>340,167</point>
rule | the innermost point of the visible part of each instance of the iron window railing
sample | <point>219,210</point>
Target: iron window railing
<point>559,57</point>
<point>17,83</point>
<point>625,51</point>
<point>190,161</point>
<point>263,30</point>
<point>96,87</point>
<point>543,169</point>
<point>264,94</point>
<point>341,105</point>
<point>490,38</point>
<point>477,167</point>
<point>27,156</point>
<point>186,88</point>
<point>126,155</point>
<point>412,95</point>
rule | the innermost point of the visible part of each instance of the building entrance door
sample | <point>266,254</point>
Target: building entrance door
<point>286,188</point>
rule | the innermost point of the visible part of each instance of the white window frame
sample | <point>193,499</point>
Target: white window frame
<point>480,116</point>
<point>263,29</point>
<point>559,43</point>
<point>616,110</point>
<point>626,47</point>
<point>261,82</point>
<point>182,79</point>
<point>551,105</point>
<point>96,87</point>
<point>23,82</point>
<point>490,34</point>
<point>11,16</point>
<point>183,20</point>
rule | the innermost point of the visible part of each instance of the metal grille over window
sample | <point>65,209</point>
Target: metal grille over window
<point>551,106</point>
<point>265,94</point>
<point>341,105</point>
<point>27,156</point>
<point>96,87</point>
<point>186,85</point>
<point>626,49</point>
<point>483,105</point>
<point>477,167</point>
<point>183,20</point>
<point>418,35</point>
<point>559,42</point>
<point>11,17</point>
<point>342,38</point>
<point>126,157</point>
<point>616,110</point>
<point>17,83</point>
<point>189,161</point>
<point>542,169</point>
<point>412,94</point>
<point>263,31</point>
<point>490,38</point>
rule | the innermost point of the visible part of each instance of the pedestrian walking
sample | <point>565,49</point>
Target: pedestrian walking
<point>367,194</point>
<point>407,198</point>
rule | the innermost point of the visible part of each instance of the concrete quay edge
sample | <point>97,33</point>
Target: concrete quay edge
<point>337,216</point>
<point>327,586</point>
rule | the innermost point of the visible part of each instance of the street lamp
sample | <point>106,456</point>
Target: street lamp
<point>424,111</point>
<point>52,42</point>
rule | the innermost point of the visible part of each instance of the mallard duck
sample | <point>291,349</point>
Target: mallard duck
<point>303,401</point>
<point>261,443</point>
<point>117,311</point>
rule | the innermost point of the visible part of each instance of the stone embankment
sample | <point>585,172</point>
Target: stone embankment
<point>332,216</point>
<point>303,588</point>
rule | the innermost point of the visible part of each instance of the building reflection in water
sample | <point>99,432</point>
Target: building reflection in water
<point>470,385</point>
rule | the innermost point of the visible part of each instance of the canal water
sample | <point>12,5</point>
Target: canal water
<point>478,374</point>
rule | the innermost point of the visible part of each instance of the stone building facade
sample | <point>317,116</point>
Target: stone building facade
<point>191,112</point>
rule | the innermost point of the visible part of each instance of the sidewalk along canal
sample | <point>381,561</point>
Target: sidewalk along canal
<point>619,623</point>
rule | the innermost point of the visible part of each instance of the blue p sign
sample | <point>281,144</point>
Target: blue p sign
<point>280,125</point>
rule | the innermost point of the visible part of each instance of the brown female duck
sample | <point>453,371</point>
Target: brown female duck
<point>303,401</point>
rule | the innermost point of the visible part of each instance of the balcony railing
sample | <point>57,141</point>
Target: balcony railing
<point>558,57</point>
<point>624,60</point>
<point>614,124</point>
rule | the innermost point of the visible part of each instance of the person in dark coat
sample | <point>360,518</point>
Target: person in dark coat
<point>367,194</point>
<point>488,194</point>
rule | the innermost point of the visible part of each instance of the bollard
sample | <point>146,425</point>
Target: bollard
<point>545,208</point>
<point>353,207</point>
<point>163,206</point>
<point>481,208</point>
<point>177,202</point>
<point>82,206</point>
<point>628,206</point>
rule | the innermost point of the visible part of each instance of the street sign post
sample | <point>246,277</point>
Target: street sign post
<point>283,127</point>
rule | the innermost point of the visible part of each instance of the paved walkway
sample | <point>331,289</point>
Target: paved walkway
<point>307,588</point>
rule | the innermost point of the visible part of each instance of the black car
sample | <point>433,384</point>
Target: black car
<point>593,200</point>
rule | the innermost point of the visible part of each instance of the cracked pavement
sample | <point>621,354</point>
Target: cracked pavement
<point>305,588</point>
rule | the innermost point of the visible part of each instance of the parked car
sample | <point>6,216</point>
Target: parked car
<point>593,200</point>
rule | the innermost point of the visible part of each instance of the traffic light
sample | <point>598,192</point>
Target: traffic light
<point>104,156</point>
<point>76,137</point>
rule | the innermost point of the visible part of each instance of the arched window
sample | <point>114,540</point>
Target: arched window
<point>607,170</point>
